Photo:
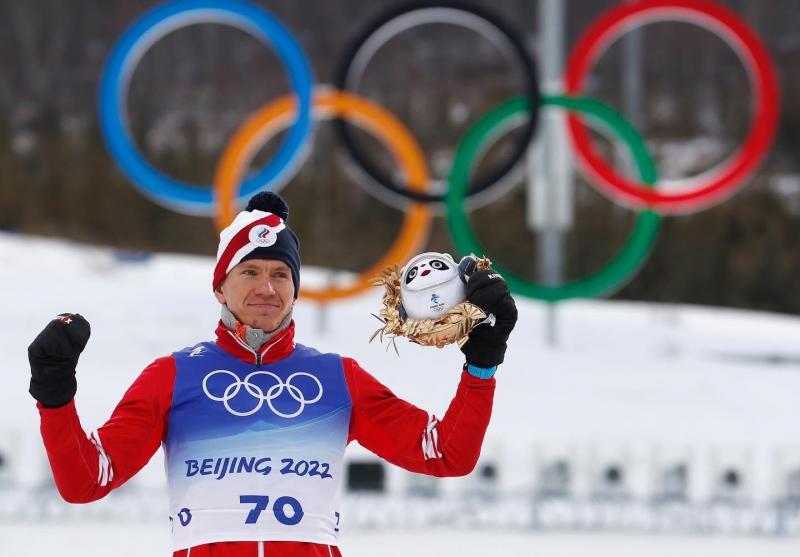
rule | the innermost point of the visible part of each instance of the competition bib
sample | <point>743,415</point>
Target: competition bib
<point>255,452</point>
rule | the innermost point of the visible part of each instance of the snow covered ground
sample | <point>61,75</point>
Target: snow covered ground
<point>631,383</point>
<point>102,538</point>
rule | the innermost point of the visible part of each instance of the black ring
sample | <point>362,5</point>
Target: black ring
<point>386,181</point>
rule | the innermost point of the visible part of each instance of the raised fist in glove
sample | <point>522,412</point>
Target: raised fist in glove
<point>486,345</point>
<point>53,356</point>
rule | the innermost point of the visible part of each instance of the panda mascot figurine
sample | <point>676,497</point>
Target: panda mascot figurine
<point>425,301</point>
<point>433,283</point>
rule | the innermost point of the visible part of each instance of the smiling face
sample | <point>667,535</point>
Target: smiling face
<point>259,292</point>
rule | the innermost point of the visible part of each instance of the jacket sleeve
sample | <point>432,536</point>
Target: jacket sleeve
<point>87,468</point>
<point>412,438</point>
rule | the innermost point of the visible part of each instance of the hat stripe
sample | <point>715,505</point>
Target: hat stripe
<point>229,233</point>
<point>239,255</point>
<point>238,246</point>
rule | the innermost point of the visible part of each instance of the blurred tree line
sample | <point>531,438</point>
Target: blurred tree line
<point>194,87</point>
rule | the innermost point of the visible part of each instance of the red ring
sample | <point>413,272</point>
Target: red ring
<point>741,165</point>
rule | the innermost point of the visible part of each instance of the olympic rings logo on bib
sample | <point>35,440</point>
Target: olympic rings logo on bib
<point>412,189</point>
<point>259,395</point>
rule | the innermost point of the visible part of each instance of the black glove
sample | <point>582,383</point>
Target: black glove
<point>486,345</point>
<point>53,356</point>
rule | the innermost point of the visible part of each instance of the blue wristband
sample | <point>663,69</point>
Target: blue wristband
<point>480,372</point>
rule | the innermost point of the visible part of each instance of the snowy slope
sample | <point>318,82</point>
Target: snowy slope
<point>625,378</point>
<point>626,381</point>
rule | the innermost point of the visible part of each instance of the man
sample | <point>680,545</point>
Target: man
<point>254,426</point>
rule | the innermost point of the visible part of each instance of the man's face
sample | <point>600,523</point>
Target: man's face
<point>259,292</point>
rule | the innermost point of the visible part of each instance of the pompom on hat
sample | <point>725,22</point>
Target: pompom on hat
<point>259,232</point>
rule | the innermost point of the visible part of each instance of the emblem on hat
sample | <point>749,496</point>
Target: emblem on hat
<point>265,235</point>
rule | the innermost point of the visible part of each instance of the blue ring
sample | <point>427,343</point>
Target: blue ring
<point>128,51</point>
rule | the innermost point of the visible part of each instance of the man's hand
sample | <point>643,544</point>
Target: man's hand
<point>53,356</point>
<point>486,346</point>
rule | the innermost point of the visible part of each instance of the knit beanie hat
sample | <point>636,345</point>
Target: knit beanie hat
<point>259,232</point>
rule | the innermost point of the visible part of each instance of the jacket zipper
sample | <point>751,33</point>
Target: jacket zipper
<point>260,549</point>
<point>258,355</point>
<point>242,344</point>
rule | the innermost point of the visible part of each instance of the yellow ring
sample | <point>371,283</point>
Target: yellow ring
<point>269,119</point>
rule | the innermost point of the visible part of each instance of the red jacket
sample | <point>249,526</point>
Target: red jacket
<point>87,468</point>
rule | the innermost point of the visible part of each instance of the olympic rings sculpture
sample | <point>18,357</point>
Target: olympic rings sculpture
<point>647,195</point>
<point>257,392</point>
<point>128,51</point>
<point>389,24</point>
<point>717,183</point>
<point>622,266</point>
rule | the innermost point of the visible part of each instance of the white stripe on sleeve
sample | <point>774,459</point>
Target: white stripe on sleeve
<point>105,472</point>
<point>430,439</point>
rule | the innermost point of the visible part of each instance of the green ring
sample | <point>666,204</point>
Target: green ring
<point>624,264</point>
